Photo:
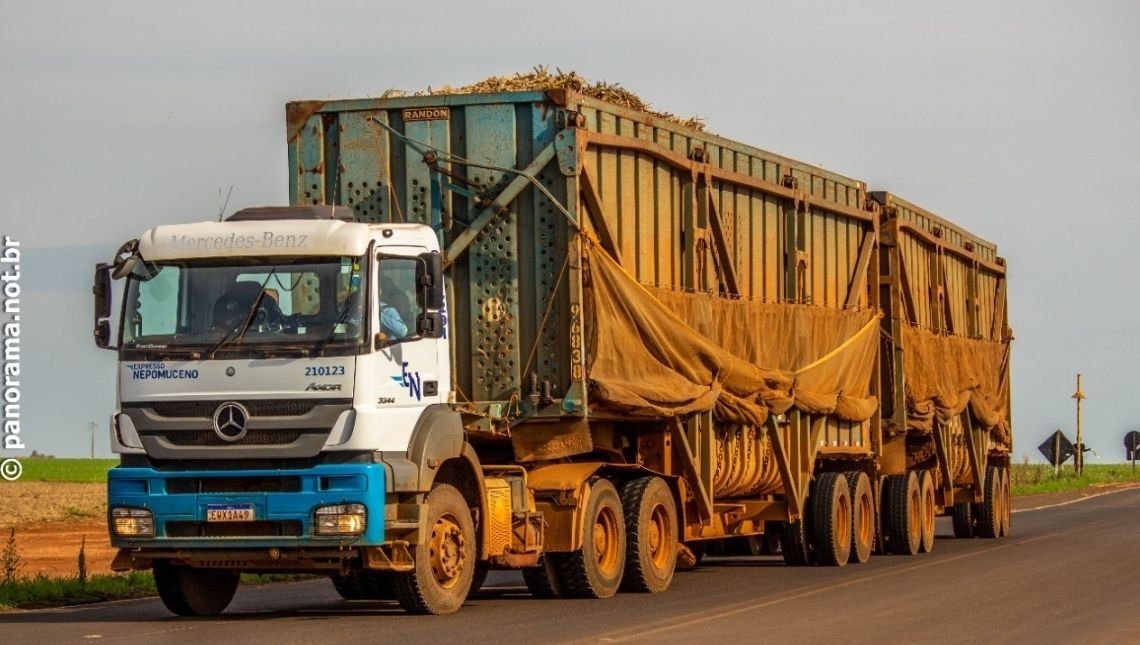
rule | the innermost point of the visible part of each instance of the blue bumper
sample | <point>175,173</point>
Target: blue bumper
<point>283,502</point>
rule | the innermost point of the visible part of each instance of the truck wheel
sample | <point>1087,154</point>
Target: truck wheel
<point>651,535</point>
<point>1005,505</point>
<point>365,585</point>
<point>904,524</point>
<point>595,570</point>
<point>964,520</point>
<point>831,519</point>
<point>444,559</point>
<point>794,544</point>
<point>544,581</point>
<point>194,592</point>
<point>863,515</point>
<point>927,512</point>
<point>989,511</point>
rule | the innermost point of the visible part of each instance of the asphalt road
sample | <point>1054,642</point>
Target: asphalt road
<point>1070,573</point>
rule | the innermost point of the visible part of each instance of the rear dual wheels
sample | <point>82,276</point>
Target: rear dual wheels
<point>595,570</point>
<point>651,531</point>
<point>902,499</point>
<point>830,523</point>
<point>795,544</point>
<point>629,542</point>
<point>993,513</point>
<point>964,523</point>
<point>838,526</point>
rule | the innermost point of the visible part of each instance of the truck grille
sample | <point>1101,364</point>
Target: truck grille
<point>291,528</point>
<point>192,485</point>
<point>251,438</point>
<point>257,408</point>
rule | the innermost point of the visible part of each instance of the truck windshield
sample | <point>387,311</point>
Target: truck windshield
<point>198,305</point>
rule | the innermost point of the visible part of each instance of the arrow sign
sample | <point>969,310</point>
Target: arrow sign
<point>1051,444</point>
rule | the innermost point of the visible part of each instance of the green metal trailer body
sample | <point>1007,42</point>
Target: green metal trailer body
<point>522,188</point>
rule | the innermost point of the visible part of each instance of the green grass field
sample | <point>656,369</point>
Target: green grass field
<point>1032,479</point>
<point>50,469</point>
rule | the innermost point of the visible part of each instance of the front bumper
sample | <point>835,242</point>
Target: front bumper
<point>283,503</point>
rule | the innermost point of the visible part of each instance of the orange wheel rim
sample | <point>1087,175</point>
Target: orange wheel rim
<point>447,551</point>
<point>660,528</point>
<point>606,541</point>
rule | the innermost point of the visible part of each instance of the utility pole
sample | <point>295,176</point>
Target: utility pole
<point>92,426</point>
<point>1079,457</point>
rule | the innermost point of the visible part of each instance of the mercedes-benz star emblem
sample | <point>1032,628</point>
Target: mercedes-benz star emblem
<point>229,421</point>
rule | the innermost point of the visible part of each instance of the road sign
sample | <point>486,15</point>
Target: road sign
<point>1132,445</point>
<point>1057,442</point>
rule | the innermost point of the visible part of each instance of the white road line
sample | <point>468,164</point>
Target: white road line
<point>1074,501</point>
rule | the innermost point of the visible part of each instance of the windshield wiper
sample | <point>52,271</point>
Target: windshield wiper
<point>247,320</point>
<point>320,349</point>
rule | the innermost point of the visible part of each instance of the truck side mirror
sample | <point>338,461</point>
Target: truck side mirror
<point>108,299</point>
<point>429,280</point>
<point>429,324</point>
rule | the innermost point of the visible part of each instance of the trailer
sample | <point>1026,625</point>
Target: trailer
<point>624,340</point>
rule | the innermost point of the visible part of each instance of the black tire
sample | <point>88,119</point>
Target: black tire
<point>481,571</point>
<point>989,511</point>
<point>904,525</point>
<point>795,546</point>
<point>881,513</point>
<point>444,560</point>
<point>863,516</point>
<point>595,570</point>
<point>927,511</point>
<point>651,531</point>
<point>1005,502</point>
<point>365,585</point>
<point>964,520</point>
<point>194,592</point>
<point>831,520</point>
<point>544,581</point>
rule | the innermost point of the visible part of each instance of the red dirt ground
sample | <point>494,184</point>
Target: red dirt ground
<point>51,520</point>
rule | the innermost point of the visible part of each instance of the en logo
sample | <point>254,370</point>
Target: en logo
<point>412,381</point>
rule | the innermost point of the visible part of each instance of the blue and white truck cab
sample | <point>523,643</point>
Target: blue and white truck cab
<point>283,390</point>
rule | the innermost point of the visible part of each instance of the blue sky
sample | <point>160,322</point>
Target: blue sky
<point>1020,120</point>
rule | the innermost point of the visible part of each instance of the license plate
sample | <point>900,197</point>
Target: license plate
<point>230,513</point>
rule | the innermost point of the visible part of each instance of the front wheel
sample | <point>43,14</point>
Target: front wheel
<point>444,559</point>
<point>194,592</point>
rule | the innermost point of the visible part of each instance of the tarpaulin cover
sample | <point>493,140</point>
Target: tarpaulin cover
<point>944,374</point>
<point>663,353</point>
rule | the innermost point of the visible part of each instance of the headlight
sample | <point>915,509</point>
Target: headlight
<point>132,522</point>
<point>342,519</point>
